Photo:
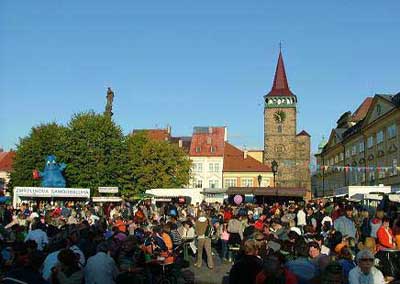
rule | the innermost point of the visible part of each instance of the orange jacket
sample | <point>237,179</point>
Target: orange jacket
<point>385,238</point>
<point>120,225</point>
<point>168,242</point>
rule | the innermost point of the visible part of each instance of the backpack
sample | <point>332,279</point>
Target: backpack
<point>209,231</point>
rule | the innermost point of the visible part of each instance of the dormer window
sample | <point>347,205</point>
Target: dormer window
<point>198,149</point>
<point>378,109</point>
<point>208,140</point>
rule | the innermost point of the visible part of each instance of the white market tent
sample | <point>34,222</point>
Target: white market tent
<point>27,192</point>
<point>356,191</point>
<point>163,194</point>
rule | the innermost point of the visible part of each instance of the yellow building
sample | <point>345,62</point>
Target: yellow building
<point>363,148</point>
<point>256,154</point>
<point>242,170</point>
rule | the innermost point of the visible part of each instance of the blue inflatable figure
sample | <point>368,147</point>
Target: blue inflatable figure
<point>52,174</point>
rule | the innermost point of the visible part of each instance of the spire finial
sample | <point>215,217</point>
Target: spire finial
<point>110,99</point>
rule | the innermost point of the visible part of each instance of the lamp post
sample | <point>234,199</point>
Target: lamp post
<point>274,166</point>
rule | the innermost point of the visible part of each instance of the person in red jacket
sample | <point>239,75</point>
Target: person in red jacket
<point>385,235</point>
<point>227,214</point>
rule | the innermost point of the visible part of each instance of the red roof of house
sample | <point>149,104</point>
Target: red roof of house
<point>208,142</point>
<point>235,161</point>
<point>303,132</point>
<point>158,134</point>
<point>6,161</point>
<point>362,110</point>
<point>155,134</point>
<point>280,86</point>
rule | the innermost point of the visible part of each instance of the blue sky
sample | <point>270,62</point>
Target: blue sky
<point>192,63</point>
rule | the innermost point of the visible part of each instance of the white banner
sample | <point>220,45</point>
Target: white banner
<point>106,199</point>
<point>109,189</point>
<point>51,192</point>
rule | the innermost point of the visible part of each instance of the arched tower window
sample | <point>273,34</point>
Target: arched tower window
<point>279,128</point>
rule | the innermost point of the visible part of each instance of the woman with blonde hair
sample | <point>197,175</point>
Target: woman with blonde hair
<point>245,270</point>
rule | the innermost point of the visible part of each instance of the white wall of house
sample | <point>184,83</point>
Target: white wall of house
<point>206,172</point>
<point>5,175</point>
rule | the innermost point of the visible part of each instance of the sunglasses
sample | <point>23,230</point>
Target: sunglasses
<point>367,259</point>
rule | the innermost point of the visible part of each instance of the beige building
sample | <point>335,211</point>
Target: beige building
<point>282,142</point>
<point>242,170</point>
<point>256,154</point>
<point>363,148</point>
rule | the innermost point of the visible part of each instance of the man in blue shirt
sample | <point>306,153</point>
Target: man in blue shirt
<point>302,267</point>
<point>345,223</point>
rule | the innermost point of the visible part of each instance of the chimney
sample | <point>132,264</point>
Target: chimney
<point>210,130</point>
<point>245,154</point>
<point>169,129</point>
<point>180,143</point>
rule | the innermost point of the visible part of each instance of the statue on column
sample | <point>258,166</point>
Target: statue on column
<point>110,98</point>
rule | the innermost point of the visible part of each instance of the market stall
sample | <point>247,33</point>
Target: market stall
<point>49,193</point>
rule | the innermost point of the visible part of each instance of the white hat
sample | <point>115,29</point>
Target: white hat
<point>202,219</point>
<point>296,230</point>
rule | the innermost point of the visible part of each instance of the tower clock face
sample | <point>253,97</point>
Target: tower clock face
<point>279,116</point>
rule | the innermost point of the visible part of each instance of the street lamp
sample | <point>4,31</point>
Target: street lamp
<point>259,178</point>
<point>274,166</point>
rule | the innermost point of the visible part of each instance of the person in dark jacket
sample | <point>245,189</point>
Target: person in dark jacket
<point>26,267</point>
<point>245,270</point>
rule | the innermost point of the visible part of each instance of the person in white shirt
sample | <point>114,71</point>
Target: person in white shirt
<point>37,235</point>
<point>365,272</point>
<point>301,218</point>
<point>52,258</point>
<point>101,268</point>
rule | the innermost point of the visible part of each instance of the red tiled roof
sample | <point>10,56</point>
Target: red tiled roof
<point>234,161</point>
<point>280,85</point>
<point>155,134</point>
<point>158,134</point>
<point>182,142</point>
<point>6,161</point>
<point>303,132</point>
<point>207,142</point>
<point>362,110</point>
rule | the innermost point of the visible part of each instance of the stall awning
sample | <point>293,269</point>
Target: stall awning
<point>269,191</point>
<point>214,190</point>
<point>106,199</point>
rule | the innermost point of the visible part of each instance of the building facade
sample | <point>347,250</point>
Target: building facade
<point>282,143</point>
<point>363,148</point>
<point>242,170</point>
<point>207,155</point>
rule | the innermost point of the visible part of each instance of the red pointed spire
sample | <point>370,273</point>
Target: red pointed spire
<point>280,86</point>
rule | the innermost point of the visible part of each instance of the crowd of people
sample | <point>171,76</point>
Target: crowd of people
<point>313,242</point>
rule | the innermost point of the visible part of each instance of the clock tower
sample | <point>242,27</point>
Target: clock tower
<point>281,142</point>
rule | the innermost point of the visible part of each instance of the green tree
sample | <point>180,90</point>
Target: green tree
<point>155,164</point>
<point>32,150</point>
<point>96,154</point>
